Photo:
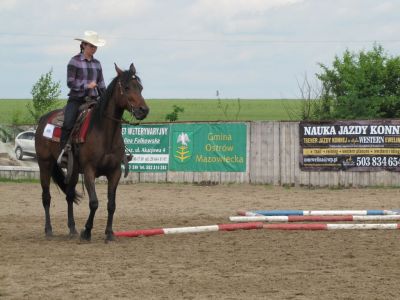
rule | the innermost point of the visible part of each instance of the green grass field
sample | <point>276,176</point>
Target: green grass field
<point>194,110</point>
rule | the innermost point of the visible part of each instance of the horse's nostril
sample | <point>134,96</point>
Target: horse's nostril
<point>145,109</point>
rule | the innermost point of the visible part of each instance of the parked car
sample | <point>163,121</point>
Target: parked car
<point>25,144</point>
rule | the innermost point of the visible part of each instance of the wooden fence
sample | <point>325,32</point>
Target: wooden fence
<point>273,150</point>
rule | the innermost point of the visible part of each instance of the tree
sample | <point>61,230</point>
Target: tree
<point>361,85</point>
<point>45,93</point>
<point>310,106</point>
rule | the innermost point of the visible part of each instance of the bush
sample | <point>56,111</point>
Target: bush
<point>173,116</point>
<point>362,85</point>
<point>5,134</point>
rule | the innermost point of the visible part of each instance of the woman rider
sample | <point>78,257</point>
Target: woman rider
<point>85,79</point>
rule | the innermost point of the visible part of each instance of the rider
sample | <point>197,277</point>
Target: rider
<point>85,79</point>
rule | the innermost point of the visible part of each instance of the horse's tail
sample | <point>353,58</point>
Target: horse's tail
<point>59,178</point>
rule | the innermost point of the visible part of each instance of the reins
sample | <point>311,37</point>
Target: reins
<point>131,108</point>
<point>122,121</point>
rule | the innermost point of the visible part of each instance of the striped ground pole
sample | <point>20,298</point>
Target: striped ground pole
<point>318,212</point>
<point>260,218</point>
<point>194,229</point>
<point>319,226</point>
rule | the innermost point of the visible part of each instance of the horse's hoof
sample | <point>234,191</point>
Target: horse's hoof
<point>73,233</point>
<point>49,233</point>
<point>110,237</point>
<point>85,235</point>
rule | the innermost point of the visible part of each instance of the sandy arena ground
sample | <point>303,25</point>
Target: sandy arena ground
<point>256,264</point>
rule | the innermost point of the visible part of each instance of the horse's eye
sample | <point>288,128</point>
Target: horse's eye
<point>127,88</point>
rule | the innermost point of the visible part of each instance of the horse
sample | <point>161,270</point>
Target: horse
<point>100,155</point>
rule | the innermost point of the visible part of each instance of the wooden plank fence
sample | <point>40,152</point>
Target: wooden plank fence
<point>273,150</point>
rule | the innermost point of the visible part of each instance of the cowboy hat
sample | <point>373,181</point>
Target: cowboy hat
<point>92,37</point>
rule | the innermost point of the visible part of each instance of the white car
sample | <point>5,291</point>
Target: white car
<point>25,144</point>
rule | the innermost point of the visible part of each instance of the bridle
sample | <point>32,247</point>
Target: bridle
<point>130,105</point>
<point>131,108</point>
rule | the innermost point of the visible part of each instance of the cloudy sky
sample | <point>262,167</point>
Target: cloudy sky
<point>192,48</point>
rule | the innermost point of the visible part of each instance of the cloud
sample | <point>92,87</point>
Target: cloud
<point>234,16</point>
<point>110,9</point>
<point>229,9</point>
<point>6,5</point>
<point>256,48</point>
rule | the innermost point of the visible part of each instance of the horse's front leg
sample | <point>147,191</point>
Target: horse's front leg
<point>113,180</point>
<point>89,178</point>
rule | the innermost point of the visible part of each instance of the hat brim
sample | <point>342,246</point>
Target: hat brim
<point>97,43</point>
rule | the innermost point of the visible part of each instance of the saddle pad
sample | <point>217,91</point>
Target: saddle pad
<point>57,118</point>
<point>52,129</point>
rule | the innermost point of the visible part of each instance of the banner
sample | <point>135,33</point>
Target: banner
<point>208,147</point>
<point>149,146</point>
<point>187,147</point>
<point>350,145</point>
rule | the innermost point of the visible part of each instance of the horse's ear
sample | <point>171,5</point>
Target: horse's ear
<point>119,71</point>
<point>132,69</point>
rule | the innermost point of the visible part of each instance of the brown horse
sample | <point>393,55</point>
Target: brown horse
<point>100,155</point>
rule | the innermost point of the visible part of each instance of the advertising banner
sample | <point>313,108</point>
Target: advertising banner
<point>350,145</point>
<point>204,147</point>
<point>208,147</point>
<point>149,146</point>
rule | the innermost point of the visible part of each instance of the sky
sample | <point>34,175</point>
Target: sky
<point>248,49</point>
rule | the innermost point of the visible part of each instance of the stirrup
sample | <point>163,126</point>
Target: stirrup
<point>62,158</point>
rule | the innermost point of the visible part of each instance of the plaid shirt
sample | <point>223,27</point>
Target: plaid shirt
<point>80,73</point>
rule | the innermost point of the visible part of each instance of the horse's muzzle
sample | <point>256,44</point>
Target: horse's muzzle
<point>141,112</point>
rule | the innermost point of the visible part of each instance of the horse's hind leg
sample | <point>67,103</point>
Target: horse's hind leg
<point>89,177</point>
<point>71,197</point>
<point>46,197</point>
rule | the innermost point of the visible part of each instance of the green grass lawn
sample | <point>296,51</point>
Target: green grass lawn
<point>194,110</point>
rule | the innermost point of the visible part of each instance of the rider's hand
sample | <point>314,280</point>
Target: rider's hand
<point>92,85</point>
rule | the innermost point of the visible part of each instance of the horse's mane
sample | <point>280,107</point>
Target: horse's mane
<point>100,108</point>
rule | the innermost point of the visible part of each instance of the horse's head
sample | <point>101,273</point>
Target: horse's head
<point>130,92</point>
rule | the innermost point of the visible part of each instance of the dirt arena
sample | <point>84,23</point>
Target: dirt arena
<point>255,264</point>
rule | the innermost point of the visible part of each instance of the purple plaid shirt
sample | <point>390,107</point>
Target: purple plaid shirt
<point>80,73</point>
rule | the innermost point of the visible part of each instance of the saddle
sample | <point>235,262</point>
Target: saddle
<point>55,122</point>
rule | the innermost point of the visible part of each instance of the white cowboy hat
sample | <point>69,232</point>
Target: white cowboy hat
<point>92,37</point>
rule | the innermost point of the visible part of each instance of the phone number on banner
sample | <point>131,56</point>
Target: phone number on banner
<point>378,161</point>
